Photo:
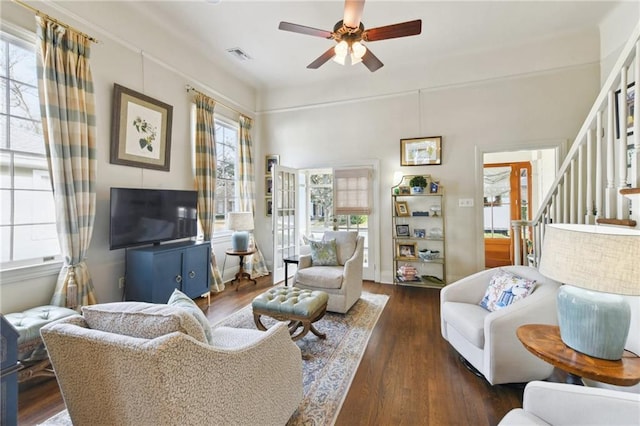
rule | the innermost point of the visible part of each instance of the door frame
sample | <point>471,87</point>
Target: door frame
<point>560,147</point>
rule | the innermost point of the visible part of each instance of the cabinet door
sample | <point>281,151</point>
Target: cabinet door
<point>167,273</point>
<point>195,280</point>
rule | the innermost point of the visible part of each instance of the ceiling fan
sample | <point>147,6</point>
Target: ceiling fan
<point>350,32</point>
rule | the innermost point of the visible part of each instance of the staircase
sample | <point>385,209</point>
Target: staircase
<point>599,179</point>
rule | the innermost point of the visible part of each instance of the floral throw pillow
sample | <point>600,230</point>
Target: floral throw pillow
<point>324,253</point>
<point>504,289</point>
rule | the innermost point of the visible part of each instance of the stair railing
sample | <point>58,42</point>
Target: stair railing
<point>593,183</point>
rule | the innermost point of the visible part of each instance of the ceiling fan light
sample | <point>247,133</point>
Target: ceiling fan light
<point>355,59</point>
<point>358,50</point>
<point>341,51</point>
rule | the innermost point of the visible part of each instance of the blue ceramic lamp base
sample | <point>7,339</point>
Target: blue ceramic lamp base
<point>594,323</point>
<point>240,241</point>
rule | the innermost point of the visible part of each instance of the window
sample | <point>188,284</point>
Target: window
<point>27,217</point>
<point>227,158</point>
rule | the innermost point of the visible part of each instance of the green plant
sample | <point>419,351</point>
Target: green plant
<point>418,181</point>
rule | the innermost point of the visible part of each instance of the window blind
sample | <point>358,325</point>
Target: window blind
<point>352,191</point>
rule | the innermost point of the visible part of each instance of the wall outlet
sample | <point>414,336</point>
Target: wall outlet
<point>465,202</point>
<point>121,282</point>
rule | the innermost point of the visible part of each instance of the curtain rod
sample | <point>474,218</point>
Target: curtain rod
<point>193,89</point>
<point>44,15</point>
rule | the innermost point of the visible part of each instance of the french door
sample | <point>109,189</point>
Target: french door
<point>285,222</point>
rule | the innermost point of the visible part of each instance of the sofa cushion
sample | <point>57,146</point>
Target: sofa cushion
<point>467,319</point>
<point>320,277</point>
<point>181,300</point>
<point>324,253</point>
<point>504,289</point>
<point>345,242</point>
<point>142,320</point>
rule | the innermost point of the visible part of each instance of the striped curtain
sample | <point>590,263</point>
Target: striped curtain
<point>69,126</point>
<point>247,181</point>
<point>205,176</point>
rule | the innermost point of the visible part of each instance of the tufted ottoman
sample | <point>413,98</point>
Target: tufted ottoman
<point>299,307</point>
<point>31,351</point>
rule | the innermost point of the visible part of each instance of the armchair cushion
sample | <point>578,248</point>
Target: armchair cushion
<point>141,320</point>
<point>504,289</point>
<point>324,253</point>
<point>181,300</point>
<point>321,277</point>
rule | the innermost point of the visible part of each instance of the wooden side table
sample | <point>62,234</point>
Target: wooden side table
<point>287,260</point>
<point>544,341</point>
<point>241,272</point>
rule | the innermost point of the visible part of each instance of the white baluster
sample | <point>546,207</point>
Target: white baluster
<point>623,202</point>
<point>589,205</point>
<point>599,165</point>
<point>610,195</point>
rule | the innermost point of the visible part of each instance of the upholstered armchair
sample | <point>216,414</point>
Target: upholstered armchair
<point>487,340</point>
<point>563,404</point>
<point>146,364</point>
<point>343,280</point>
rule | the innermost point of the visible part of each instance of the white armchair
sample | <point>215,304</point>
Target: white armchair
<point>487,340</point>
<point>343,282</point>
<point>154,366</point>
<point>563,404</point>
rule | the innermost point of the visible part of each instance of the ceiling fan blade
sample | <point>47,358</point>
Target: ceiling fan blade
<point>295,28</point>
<point>403,29</point>
<point>322,59</point>
<point>371,61</point>
<point>353,13</point>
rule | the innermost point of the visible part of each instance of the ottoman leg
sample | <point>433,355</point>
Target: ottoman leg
<point>316,332</point>
<point>258,322</point>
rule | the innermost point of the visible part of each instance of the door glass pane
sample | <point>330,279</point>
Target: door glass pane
<point>524,194</point>
<point>497,203</point>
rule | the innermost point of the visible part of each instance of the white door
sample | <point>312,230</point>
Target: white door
<point>285,226</point>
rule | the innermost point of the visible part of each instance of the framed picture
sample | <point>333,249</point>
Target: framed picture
<point>402,230</point>
<point>406,251</point>
<point>402,208</point>
<point>404,190</point>
<point>268,210</point>
<point>419,233</point>
<point>421,151</point>
<point>434,187</point>
<point>270,161</point>
<point>268,185</point>
<point>141,130</point>
<point>628,121</point>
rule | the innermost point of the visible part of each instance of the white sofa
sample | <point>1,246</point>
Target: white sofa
<point>343,282</point>
<point>562,404</point>
<point>487,340</point>
<point>143,364</point>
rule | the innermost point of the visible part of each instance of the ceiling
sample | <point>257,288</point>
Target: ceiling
<point>279,58</point>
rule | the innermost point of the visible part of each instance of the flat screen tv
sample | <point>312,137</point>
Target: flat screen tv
<point>150,216</point>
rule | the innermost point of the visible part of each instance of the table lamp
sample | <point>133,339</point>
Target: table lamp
<point>241,223</point>
<point>597,264</point>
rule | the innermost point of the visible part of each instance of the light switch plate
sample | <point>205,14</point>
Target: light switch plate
<point>465,202</point>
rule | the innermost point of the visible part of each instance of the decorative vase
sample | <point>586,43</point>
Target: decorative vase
<point>417,189</point>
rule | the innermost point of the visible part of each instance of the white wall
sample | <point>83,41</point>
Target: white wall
<point>614,32</point>
<point>146,60</point>
<point>544,106</point>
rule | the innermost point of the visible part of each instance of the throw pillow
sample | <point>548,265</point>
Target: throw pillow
<point>142,320</point>
<point>180,300</point>
<point>504,289</point>
<point>345,243</point>
<point>324,253</point>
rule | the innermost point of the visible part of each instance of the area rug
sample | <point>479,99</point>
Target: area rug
<point>329,365</point>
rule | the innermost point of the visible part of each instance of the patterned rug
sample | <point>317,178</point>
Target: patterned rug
<point>328,365</point>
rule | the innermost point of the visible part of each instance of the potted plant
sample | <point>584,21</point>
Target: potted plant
<point>418,183</point>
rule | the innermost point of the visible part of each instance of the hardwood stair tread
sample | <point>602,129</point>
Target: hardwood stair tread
<point>619,222</point>
<point>630,191</point>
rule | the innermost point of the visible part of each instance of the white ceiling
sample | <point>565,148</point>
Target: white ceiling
<point>279,58</point>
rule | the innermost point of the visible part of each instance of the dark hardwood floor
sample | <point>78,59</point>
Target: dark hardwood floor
<point>408,375</point>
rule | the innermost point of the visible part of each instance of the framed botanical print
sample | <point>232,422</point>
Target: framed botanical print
<point>141,130</point>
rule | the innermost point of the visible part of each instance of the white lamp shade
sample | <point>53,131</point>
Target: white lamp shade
<point>240,221</point>
<point>600,258</point>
